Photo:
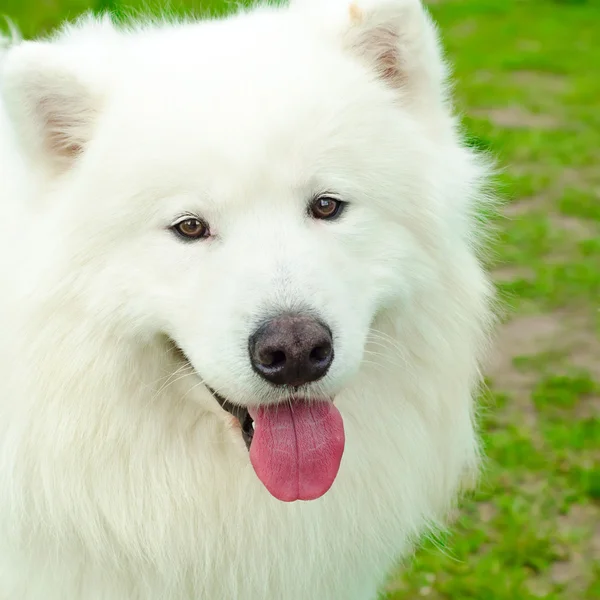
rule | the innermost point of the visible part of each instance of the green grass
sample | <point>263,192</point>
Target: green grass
<point>527,84</point>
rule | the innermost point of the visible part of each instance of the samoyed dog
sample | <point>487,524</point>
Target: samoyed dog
<point>242,309</point>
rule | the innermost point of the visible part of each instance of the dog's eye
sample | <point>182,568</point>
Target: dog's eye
<point>326,208</point>
<point>191,228</point>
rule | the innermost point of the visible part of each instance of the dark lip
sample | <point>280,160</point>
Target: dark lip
<point>240,413</point>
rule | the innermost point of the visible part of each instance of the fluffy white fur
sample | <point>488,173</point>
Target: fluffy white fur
<point>120,476</point>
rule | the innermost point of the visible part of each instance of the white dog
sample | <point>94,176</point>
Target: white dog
<point>239,269</point>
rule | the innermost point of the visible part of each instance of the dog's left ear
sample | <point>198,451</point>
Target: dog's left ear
<point>54,93</point>
<point>395,38</point>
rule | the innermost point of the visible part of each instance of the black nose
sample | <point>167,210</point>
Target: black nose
<point>292,349</point>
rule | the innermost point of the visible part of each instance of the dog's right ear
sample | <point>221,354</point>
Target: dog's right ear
<point>395,39</point>
<point>54,95</point>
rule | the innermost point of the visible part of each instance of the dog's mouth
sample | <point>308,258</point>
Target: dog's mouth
<point>241,413</point>
<point>295,447</point>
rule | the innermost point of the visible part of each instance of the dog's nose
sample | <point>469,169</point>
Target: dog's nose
<point>291,349</point>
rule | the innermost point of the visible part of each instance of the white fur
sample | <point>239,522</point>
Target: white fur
<point>120,477</point>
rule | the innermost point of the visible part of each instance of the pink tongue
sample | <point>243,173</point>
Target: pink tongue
<point>296,450</point>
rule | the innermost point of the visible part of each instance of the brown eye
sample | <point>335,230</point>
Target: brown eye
<point>326,208</point>
<point>191,229</point>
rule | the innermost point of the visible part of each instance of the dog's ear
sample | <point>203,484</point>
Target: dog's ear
<point>399,40</point>
<point>53,95</point>
<point>396,38</point>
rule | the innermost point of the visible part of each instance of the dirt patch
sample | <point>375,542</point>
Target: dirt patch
<point>573,570</point>
<point>483,76</point>
<point>586,179</point>
<point>516,117</point>
<point>589,408</point>
<point>524,206</point>
<point>538,81</point>
<point>464,29</point>
<point>582,518</point>
<point>586,354</point>
<point>507,273</point>
<point>579,229</point>
<point>570,343</point>
<point>583,522</point>
<point>523,335</point>
<point>545,203</point>
<point>487,511</point>
<point>539,587</point>
<point>582,343</point>
<point>529,45</point>
<point>566,334</point>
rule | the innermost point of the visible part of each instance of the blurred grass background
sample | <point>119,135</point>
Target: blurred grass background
<point>528,84</point>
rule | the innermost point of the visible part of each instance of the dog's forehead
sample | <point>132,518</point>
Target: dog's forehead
<point>207,108</point>
<point>245,78</point>
<point>238,116</point>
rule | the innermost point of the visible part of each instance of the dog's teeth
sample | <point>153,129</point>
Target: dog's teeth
<point>252,424</point>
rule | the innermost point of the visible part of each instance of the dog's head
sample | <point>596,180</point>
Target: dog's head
<point>257,189</point>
